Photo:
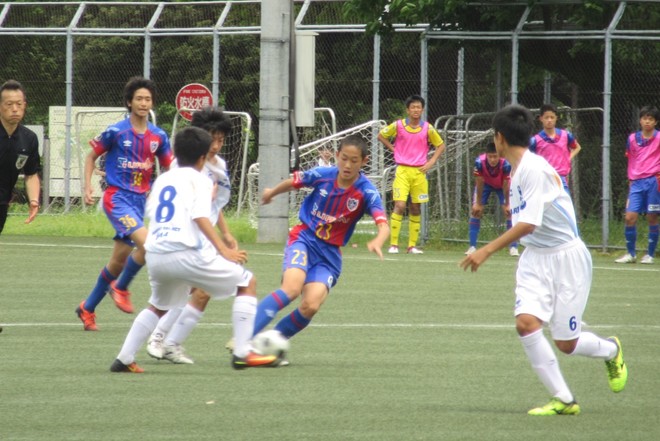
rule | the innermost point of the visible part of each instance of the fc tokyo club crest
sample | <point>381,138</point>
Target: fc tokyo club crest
<point>153,145</point>
<point>352,204</point>
<point>20,161</point>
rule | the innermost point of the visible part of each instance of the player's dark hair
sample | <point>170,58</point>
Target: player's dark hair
<point>13,85</point>
<point>134,84</point>
<point>515,123</point>
<point>490,147</point>
<point>548,108</point>
<point>190,144</point>
<point>651,111</point>
<point>212,119</point>
<point>356,141</point>
<point>415,99</point>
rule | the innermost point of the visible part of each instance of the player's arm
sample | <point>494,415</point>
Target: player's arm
<point>206,227</point>
<point>284,186</point>
<point>575,151</point>
<point>435,140</point>
<point>375,245</point>
<point>386,142</point>
<point>90,166</point>
<point>506,186</point>
<point>474,260</point>
<point>477,208</point>
<point>32,186</point>
<point>227,237</point>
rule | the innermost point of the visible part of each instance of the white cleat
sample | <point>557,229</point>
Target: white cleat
<point>647,260</point>
<point>155,346</point>
<point>626,258</point>
<point>176,355</point>
<point>393,249</point>
<point>470,250</point>
<point>414,250</point>
<point>513,252</point>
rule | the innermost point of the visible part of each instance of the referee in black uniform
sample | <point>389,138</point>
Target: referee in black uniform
<point>19,150</point>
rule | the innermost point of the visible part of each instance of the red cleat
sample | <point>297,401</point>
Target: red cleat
<point>88,318</point>
<point>122,298</point>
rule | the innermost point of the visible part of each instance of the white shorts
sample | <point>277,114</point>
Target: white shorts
<point>172,275</point>
<point>553,285</point>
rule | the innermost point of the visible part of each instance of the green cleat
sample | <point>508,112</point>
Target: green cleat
<point>556,407</point>
<point>617,371</point>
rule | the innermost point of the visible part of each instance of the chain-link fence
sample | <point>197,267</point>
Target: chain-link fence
<point>79,55</point>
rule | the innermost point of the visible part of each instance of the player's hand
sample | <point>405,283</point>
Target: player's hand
<point>267,196</point>
<point>89,195</point>
<point>507,211</point>
<point>474,260</point>
<point>477,210</point>
<point>34,209</point>
<point>236,256</point>
<point>375,248</point>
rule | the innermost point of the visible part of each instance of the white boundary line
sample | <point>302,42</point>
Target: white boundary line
<point>417,259</point>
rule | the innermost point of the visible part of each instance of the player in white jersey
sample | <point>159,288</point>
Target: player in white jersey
<point>174,327</point>
<point>554,272</point>
<point>184,250</point>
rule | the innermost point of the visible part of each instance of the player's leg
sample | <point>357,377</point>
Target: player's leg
<point>86,309</point>
<point>534,307</point>
<point>294,271</point>
<point>169,289</point>
<point>293,280</point>
<point>314,294</point>
<point>419,194</point>
<point>134,263</point>
<point>157,338</point>
<point>634,205</point>
<point>653,209</point>
<point>400,192</point>
<point>187,320</point>
<point>322,275</point>
<point>572,274</point>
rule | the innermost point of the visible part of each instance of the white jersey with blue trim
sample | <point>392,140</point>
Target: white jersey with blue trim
<point>219,175</point>
<point>537,197</point>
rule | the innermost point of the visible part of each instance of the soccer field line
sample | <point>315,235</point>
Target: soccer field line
<point>417,259</point>
<point>461,326</point>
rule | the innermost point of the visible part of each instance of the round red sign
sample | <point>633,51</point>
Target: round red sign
<point>192,97</point>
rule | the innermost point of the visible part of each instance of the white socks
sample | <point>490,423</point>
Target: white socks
<point>167,321</point>
<point>243,313</point>
<point>142,327</point>
<point>184,325</point>
<point>544,362</point>
<point>590,345</point>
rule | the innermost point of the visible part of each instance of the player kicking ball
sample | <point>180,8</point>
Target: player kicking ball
<point>554,272</point>
<point>184,250</point>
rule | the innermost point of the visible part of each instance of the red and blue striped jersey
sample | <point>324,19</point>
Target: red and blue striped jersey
<point>130,156</point>
<point>332,212</point>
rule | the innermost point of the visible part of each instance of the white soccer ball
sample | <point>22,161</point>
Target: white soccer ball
<point>271,342</point>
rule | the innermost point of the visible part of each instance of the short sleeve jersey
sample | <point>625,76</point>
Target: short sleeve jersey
<point>556,150</point>
<point>643,155</point>
<point>332,212</point>
<point>492,176</point>
<point>130,156</point>
<point>410,145</point>
<point>18,153</point>
<point>178,197</point>
<point>537,197</point>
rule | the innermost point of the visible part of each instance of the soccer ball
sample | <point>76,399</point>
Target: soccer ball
<point>271,342</point>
